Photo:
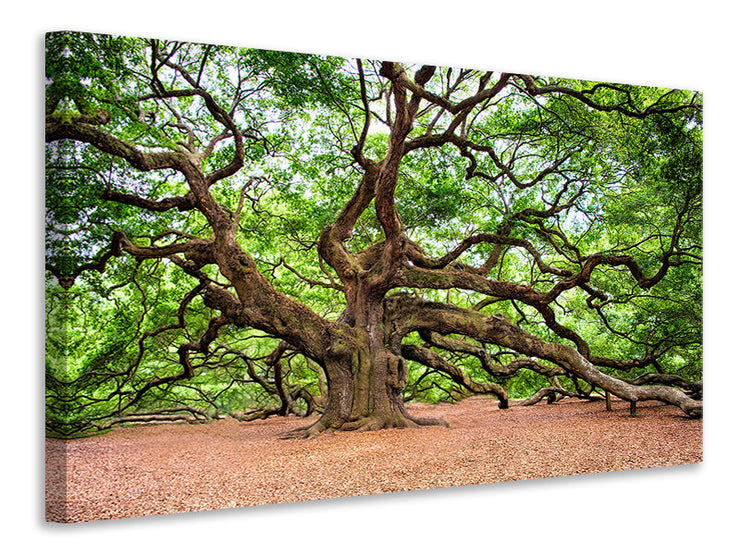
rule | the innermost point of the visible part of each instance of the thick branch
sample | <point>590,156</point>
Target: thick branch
<point>417,314</point>
<point>105,142</point>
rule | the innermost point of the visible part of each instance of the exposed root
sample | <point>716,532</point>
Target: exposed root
<point>397,421</point>
<point>422,421</point>
<point>307,432</point>
<point>260,414</point>
<point>366,424</point>
<point>363,424</point>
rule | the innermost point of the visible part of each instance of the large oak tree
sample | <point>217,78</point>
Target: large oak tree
<point>388,224</point>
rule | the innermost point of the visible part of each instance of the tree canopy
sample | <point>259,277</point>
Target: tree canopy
<point>251,232</point>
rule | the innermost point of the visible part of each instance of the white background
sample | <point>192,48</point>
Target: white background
<point>690,45</point>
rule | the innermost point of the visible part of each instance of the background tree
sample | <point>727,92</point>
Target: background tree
<point>275,232</point>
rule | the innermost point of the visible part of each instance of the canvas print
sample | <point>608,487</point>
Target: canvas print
<point>276,276</point>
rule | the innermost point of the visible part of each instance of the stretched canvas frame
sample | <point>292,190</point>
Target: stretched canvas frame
<point>224,224</point>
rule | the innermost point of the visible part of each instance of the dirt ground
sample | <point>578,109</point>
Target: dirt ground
<point>170,468</point>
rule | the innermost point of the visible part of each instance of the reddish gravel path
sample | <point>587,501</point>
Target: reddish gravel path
<point>158,469</point>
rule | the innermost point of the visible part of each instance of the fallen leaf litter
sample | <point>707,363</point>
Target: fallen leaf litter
<point>171,468</point>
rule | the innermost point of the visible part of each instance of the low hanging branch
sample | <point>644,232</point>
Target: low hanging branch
<point>445,319</point>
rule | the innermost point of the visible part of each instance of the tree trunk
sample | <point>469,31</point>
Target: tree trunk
<point>365,378</point>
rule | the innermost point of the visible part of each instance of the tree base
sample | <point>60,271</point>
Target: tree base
<point>362,424</point>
